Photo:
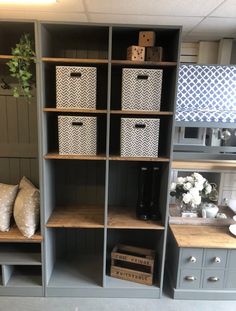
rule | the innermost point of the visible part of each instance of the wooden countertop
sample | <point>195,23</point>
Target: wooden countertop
<point>205,164</point>
<point>203,236</point>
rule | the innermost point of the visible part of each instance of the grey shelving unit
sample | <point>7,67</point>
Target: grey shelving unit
<point>20,258</point>
<point>88,202</point>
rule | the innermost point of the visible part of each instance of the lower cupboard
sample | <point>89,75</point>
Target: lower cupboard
<point>205,271</point>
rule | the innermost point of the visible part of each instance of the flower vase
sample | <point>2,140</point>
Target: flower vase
<point>184,208</point>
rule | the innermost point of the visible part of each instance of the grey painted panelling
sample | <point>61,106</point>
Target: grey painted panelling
<point>71,41</point>
<point>78,241</point>
<point>79,182</point>
<point>13,169</point>
<point>18,126</point>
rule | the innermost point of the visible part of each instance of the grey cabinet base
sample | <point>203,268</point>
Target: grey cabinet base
<point>103,292</point>
<point>204,294</point>
<point>22,291</point>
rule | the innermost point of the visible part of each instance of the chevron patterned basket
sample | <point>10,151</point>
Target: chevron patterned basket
<point>139,137</point>
<point>76,87</point>
<point>141,89</point>
<point>77,135</point>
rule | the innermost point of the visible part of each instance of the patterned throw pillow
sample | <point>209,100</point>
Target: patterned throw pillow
<point>7,197</point>
<point>26,208</point>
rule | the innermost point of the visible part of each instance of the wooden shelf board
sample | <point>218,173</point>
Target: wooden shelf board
<point>77,217</point>
<point>75,110</point>
<point>203,236</point>
<point>147,159</point>
<point>205,165</point>
<point>74,60</point>
<point>6,57</point>
<point>14,235</point>
<point>57,156</point>
<point>144,112</point>
<point>121,218</point>
<point>143,63</point>
<point>20,258</point>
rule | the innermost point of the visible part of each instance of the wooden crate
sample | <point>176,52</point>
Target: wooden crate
<point>133,264</point>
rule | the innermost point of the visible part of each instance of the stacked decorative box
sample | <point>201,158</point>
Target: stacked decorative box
<point>76,88</point>
<point>141,90</point>
<point>146,49</point>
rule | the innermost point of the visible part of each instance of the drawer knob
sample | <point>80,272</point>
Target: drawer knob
<point>217,260</point>
<point>193,259</point>
<point>190,278</point>
<point>213,279</point>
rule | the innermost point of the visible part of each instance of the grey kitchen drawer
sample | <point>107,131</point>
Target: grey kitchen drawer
<point>190,279</point>
<point>213,279</point>
<point>191,258</point>
<point>232,259</point>
<point>230,279</point>
<point>215,258</point>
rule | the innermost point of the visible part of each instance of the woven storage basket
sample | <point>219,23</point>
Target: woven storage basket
<point>139,137</point>
<point>141,89</point>
<point>76,87</point>
<point>77,135</point>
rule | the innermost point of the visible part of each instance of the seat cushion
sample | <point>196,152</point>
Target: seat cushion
<point>7,197</point>
<point>26,208</point>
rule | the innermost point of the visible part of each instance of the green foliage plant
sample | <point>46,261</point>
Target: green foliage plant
<point>20,66</point>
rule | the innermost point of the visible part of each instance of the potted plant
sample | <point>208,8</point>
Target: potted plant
<point>20,66</point>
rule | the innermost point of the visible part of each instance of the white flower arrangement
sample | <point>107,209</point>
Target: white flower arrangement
<point>191,189</point>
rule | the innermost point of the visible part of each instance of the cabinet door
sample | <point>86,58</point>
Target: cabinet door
<point>190,279</point>
<point>213,278</point>
<point>229,180</point>
<point>191,258</point>
<point>230,279</point>
<point>215,258</point>
<point>232,259</point>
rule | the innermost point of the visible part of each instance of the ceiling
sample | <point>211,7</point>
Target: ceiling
<point>201,19</point>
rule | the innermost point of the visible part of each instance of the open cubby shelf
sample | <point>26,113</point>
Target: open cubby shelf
<point>25,276</point>
<point>79,271</point>
<point>20,254</point>
<point>124,218</point>
<point>88,204</point>
<point>77,217</point>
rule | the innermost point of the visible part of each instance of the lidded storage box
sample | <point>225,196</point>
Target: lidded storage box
<point>139,137</point>
<point>76,87</point>
<point>141,89</point>
<point>77,135</point>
